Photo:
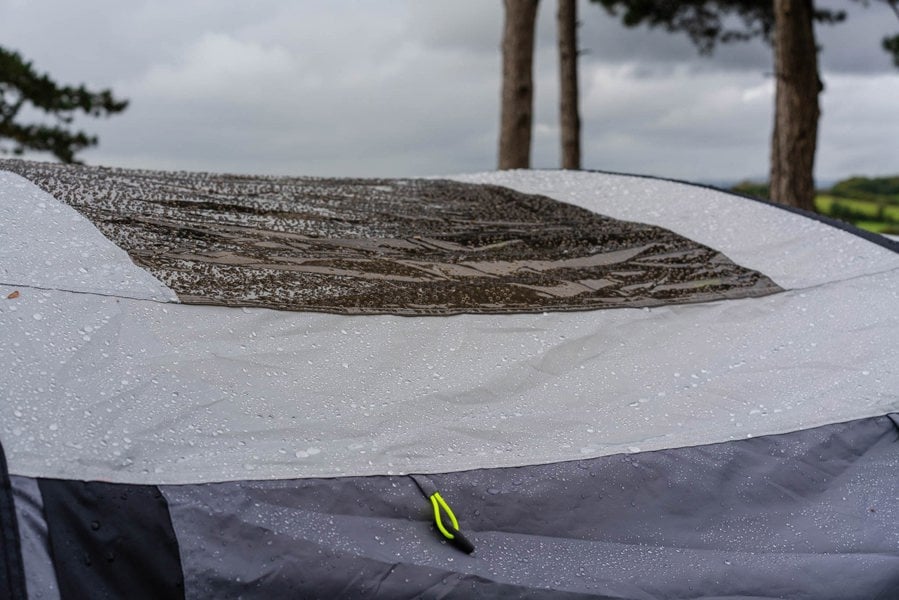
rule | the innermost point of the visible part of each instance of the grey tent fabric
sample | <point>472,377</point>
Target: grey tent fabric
<point>38,561</point>
<point>143,392</point>
<point>795,250</point>
<point>213,393</point>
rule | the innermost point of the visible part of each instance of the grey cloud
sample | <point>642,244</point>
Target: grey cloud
<point>854,46</point>
<point>413,99</point>
<point>412,88</point>
<point>470,27</point>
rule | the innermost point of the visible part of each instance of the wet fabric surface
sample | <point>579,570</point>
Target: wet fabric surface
<point>130,390</point>
<point>172,393</point>
<point>136,391</point>
<point>49,245</point>
<point>111,541</point>
<point>809,514</point>
<point>386,246</point>
<point>793,250</point>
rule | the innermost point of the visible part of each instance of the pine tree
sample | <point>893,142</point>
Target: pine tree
<point>516,112</point>
<point>569,116</point>
<point>21,86</point>
<point>789,26</point>
<point>891,43</point>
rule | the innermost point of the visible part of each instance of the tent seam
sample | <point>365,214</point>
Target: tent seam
<point>847,279</point>
<point>85,293</point>
<point>325,311</point>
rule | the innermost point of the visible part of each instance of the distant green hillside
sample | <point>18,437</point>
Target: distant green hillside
<point>752,188</point>
<point>878,189</point>
<point>868,202</point>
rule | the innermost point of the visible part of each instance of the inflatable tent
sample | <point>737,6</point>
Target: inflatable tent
<point>504,385</point>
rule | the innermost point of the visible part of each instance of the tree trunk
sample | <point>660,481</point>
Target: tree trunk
<point>518,87</point>
<point>569,116</point>
<point>796,111</point>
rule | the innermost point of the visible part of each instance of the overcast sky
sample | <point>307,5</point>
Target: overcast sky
<point>411,87</point>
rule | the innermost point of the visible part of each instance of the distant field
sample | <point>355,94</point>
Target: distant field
<point>878,227</point>
<point>871,203</point>
<point>861,213</point>
<point>872,211</point>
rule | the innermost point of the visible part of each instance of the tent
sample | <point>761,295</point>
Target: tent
<point>524,384</point>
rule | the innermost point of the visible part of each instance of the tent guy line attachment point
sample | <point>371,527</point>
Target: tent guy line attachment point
<point>453,535</point>
<point>455,538</point>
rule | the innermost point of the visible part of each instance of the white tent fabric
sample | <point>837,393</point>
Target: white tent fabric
<point>119,384</point>
<point>793,250</point>
<point>49,245</point>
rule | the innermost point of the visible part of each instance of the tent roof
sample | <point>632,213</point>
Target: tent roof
<point>193,407</point>
<point>215,393</point>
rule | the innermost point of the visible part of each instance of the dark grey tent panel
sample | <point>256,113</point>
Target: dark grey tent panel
<point>227,386</point>
<point>747,519</point>
<point>744,519</point>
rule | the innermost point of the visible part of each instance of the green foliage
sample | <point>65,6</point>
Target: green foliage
<point>879,227</point>
<point>856,211</point>
<point>21,86</point>
<point>752,188</point>
<point>707,22</point>
<point>875,189</point>
<point>711,22</point>
<point>891,45</point>
<point>869,203</point>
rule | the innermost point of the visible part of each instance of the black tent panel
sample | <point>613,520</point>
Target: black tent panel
<point>111,541</point>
